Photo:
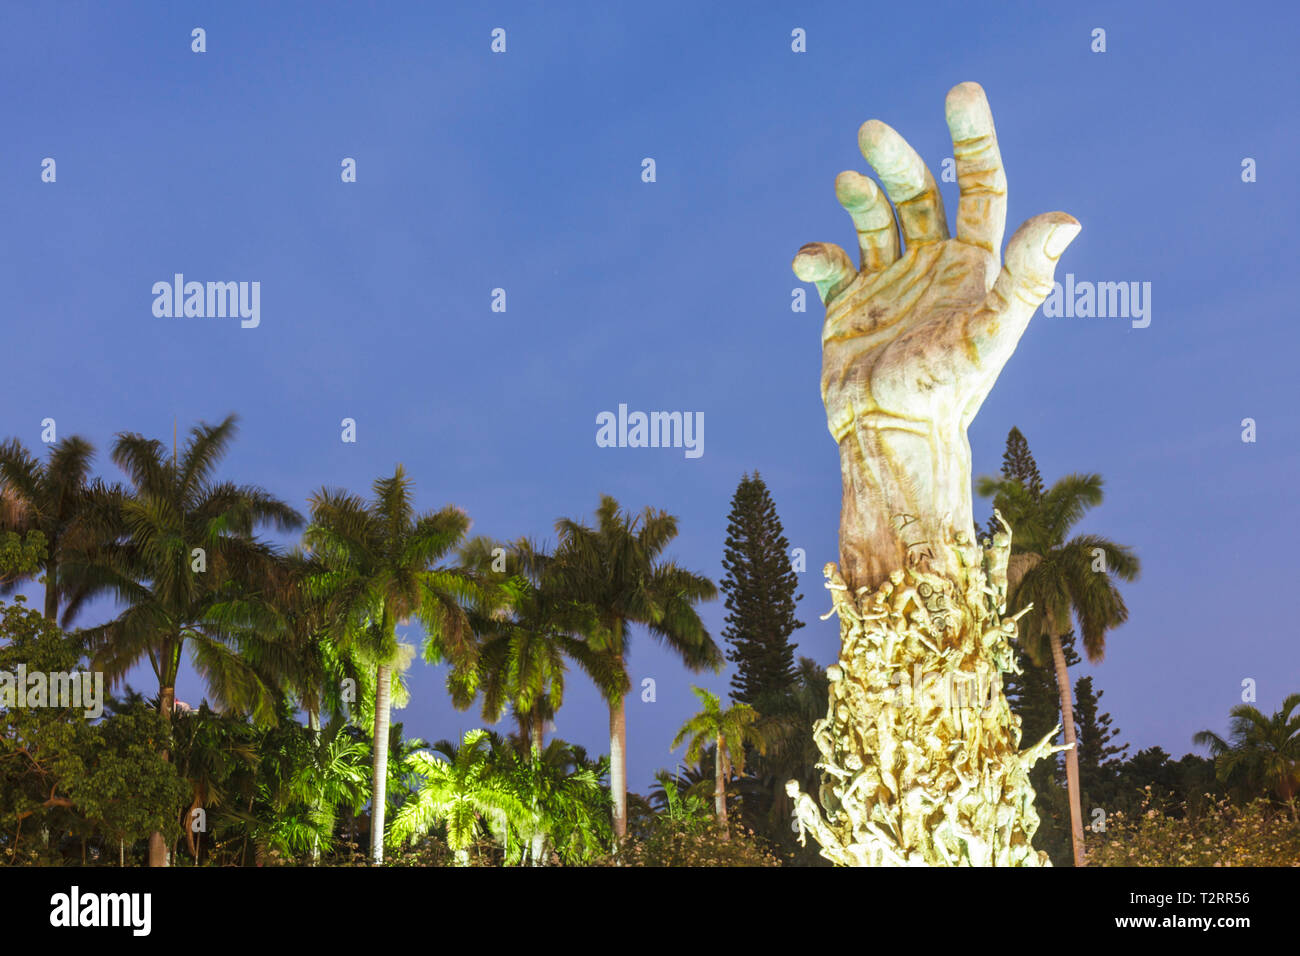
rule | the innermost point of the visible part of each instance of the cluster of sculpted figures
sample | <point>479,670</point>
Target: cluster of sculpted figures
<point>909,779</point>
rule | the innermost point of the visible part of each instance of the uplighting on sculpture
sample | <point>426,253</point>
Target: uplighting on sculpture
<point>920,753</point>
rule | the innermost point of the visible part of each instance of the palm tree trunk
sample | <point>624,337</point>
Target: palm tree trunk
<point>157,847</point>
<point>1071,755</point>
<point>243,850</point>
<point>538,848</point>
<point>51,589</point>
<point>720,784</point>
<point>618,765</point>
<point>313,725</point>
<point>538,730</point>
<point>187,821</point>
<point>379,787</point>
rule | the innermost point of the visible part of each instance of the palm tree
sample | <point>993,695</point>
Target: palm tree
<point>207,751</point>
<point>616,569</point>
<point>1063,579</point>
<point>1262,753</point>
<point>457,792</point>
<point>562,789</point>
<point>316,669</point>
<point>328,773</point>
<point>59,500</point>
<point>683,796</point>
<point>186,550</point>
<point>300,644</point>
<point>322,675</point>
<point>729,731</point>
<point>575,803</point>
<point>526,630</point>
<point>381,566</point>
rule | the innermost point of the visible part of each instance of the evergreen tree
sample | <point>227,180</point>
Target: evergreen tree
<point>760,589</point>
<point>1099,755</point>
<point>1018,464</point>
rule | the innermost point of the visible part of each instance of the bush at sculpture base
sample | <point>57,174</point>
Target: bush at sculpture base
<point>668,845</point>
<point>1222,834</point>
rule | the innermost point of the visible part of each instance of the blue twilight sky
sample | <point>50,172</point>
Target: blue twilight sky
<point>522,171</point>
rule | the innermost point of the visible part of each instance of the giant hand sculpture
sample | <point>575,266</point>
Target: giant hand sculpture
<point>911,347</point>
<point>913,342</point>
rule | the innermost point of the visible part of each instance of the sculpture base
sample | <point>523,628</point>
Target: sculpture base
<point>920,757</point>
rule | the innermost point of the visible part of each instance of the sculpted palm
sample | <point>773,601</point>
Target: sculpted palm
<point>914,339</point>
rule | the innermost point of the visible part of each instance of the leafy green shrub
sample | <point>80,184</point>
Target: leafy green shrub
<point>1221,834</point>
<point>674,845</point>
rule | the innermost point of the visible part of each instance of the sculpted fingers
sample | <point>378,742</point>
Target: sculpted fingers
<point>872,218</point>
<point>908,182</point>
<point>1024,282</point>
<point>825,265</point>
<point>982,209</point>
<point>1032,254</point>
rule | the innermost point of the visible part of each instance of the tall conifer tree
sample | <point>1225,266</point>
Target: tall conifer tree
<point>1018,464</point>
<point>1099,754</point>
<point>760,586</point>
